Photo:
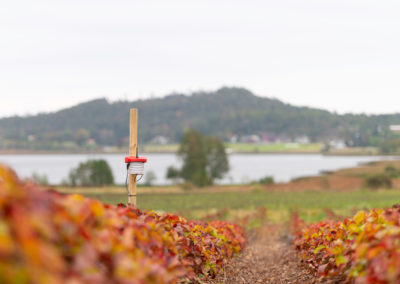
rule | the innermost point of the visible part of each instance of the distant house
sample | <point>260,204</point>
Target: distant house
<point>302,139</point>
<point>31,138</point>
<point>337,144</point>
<point>250,139</point>
<point>394,127</point>
<point>268,138</point>
<point>234,139</point>
<point>159,140</point>
<point>91,142</point>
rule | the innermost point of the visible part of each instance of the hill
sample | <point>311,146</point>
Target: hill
<point>225,112</point>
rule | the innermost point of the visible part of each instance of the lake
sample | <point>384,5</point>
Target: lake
<point>244,167</point>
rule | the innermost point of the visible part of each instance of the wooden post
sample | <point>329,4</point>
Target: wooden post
<point>132,152</point>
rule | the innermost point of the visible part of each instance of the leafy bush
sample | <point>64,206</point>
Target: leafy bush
<point>172,173</point>
<point>378,181</point>
<point>391,171</point>
<point>91,173</point>
<point>40,179</point>
<point>267,180</point>
<point>47,237</point>
<point>364,248</point>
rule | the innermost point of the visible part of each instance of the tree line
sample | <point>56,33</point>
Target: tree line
<point>223,113</point>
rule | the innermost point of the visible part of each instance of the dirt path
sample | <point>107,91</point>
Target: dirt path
<point>268,258</point>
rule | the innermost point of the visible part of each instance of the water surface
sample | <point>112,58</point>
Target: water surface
<point>244,167</point>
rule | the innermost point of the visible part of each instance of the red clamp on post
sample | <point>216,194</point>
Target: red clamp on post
<point>135,165</point>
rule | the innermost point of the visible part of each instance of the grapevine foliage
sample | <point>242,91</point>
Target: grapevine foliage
<point>365,248</point>
<point>47,237</point>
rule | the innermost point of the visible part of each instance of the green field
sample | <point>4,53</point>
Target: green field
<point>247,148</point>
<point>275,148</point>
<point>310,204</point>
<point>279,202</point>
<point>169,148</point>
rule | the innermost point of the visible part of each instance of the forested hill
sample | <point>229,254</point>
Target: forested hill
<point>225,112</point>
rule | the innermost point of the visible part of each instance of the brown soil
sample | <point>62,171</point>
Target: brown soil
<point>268,258</point>
<point>345,179</point>
<point>332,182</point>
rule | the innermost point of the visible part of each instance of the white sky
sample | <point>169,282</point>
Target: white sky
<point>340,55</point>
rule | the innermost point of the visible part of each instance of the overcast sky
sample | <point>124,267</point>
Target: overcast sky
<point>340,55</point>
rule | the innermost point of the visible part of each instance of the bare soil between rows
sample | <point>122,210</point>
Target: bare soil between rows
<point>269,257</point>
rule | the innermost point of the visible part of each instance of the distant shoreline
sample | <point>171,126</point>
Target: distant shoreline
<point>27,152</point>
<point>231,148</point>
<point>41,152</point>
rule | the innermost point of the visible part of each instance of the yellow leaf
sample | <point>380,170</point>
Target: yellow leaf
<point>317,249</point>
<point>6,241</point>
<point>340,259</point>
<point>97,209</point>
<point>353,228</point>
<point>359,217</point>
<point>337,249</point>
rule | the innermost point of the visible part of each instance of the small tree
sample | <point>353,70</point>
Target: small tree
<point>91,173</point>
<point>174,174</point>
<point>204,159</point>
<point>40,179</point>
<point>217,160</point>
<point>193,153</point>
